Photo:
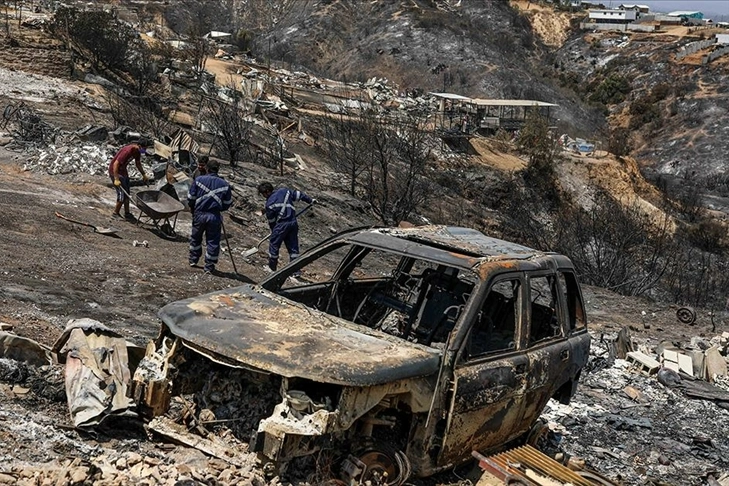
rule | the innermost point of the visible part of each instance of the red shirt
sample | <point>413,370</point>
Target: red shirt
<point>125,155</point>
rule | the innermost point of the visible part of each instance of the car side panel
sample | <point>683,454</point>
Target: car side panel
<point>487,406</point>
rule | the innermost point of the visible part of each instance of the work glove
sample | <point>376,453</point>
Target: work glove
<point>117,182</point>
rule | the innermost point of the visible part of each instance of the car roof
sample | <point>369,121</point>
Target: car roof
<point>451,245</point>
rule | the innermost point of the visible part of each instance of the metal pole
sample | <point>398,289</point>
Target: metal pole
<point>230,250</point>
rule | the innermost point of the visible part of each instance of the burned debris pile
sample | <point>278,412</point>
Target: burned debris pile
<point>638,421</point>
<point>222,400</point>
<point>100,446</point>
<point>69,158</point>
<point>28,125</point>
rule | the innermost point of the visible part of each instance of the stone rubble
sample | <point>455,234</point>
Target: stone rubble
<point>631,428</point>
<point>70,156</point>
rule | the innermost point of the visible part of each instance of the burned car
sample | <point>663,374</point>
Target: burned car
<point>410,348</point>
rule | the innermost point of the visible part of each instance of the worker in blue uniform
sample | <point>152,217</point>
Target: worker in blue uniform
<point>281,215</point>
<point>209,195</point>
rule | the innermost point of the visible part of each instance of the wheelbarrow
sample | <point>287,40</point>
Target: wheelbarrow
<point>158,208</point>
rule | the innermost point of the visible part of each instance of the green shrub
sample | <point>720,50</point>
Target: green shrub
<point>612,90</point>
<point>642,112</point>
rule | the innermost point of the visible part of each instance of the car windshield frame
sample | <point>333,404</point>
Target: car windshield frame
<point>408,253</point>
<point>402,247</point>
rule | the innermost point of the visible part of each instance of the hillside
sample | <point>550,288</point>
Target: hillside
<point>646,251</point>
<point>673,108</point>
<point>480,49</point>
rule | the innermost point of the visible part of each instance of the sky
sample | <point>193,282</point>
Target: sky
<point>713,9</point>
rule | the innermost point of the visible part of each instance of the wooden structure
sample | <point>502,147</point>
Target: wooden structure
<point>462,116</point>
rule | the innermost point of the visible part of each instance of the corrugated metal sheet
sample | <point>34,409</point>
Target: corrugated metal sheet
<point>529,466</point>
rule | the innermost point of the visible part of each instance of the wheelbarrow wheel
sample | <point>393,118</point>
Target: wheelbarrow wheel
<point>167,230</point>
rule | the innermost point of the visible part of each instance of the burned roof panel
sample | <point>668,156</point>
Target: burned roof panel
<point>488,102</point>
<point>396,243</point>
<point>261,330</point>
<point>450,245</point>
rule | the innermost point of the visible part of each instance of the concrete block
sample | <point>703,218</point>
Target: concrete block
<point>647,363</point>
<point>715,364</point>
<point>697,357</point>
<point>671,365</point>
<point>686,364</point>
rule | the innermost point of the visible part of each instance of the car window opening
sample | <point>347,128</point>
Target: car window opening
<point>406,297</point>
<point>544,297</point>
<point>496,324</point>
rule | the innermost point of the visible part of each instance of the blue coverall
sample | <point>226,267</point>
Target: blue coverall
<point>281,215</point>
<point>208,196</point>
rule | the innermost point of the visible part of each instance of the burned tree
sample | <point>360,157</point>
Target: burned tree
<point>228,120</point>
<point>143,67</point>
<point>618,246</point>
<point>347,146</point>
<point>396,179</point>
<point>140,112</point>
<point>384,160</point>
<point>195,19</point>
<point>107,39</point>
<point>414,146</point>
<point>536,141</point>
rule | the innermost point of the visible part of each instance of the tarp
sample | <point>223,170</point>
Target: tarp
<point>97,371</point>
<point>693,388</point>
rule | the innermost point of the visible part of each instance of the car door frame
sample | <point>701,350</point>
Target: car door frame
<point>512,365</point>
<point>550,358</point>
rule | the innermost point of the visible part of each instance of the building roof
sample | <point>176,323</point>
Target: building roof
<point>487,102</point>
<point>490,102</point>
<point>682,13</point>
<point>627,5</point>
<point>611,10</point>
<point>449,96</point>
<point>215,34</point>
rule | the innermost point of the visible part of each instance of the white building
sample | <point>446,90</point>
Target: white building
<point>612,16</point>
<point>722,39</point>
<point>638,8</point>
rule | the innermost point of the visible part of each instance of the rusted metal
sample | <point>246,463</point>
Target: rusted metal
<point>468,240</point>
<point>528,465</point>
<point>391,352</point>
<point>260,331</point>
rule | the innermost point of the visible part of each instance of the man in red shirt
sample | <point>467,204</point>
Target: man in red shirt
<point>120,176</point>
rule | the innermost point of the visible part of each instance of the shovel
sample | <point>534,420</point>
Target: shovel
<point>97,229</point>
<point>254,250</point>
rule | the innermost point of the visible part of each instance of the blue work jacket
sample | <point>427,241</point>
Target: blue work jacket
<point>209,193</point>
<point>280,205</point>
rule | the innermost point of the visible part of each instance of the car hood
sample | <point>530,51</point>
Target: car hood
<point>257,328</point>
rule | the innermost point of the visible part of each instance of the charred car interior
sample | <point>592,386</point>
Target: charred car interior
<point>404,348</point>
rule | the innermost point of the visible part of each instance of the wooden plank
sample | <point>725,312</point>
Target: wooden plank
<point>178,434</point>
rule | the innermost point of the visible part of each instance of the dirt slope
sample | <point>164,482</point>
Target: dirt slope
<point>552,27</point>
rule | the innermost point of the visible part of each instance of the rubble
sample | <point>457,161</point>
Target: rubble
<point>638,428</point>
<point>68,158</point>
<point>71,156</point>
